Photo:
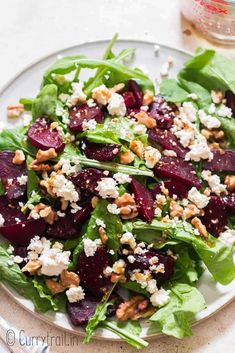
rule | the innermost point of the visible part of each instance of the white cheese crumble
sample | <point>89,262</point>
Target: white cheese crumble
<point>152,156</point>
<point>89,125</point>
<point>10,249</point>
<point>18,259</point>
<point>131,259</point>
<point>225,112</point>
<point>140,129</point>
<point>116,105</point>
<point>199,150</point>
<point>212,108</point>
<point>188,113</point>
<point>107,188</point>
<point>193,96</point>
<point>197,198</point>
<point>208,121</point>
<point>75,294</point>
<point>101,94</point>
<point>64,188</point>
<point>77,95</point>
<point>90,246</point>
<point>169,153</point>
<point>100,223</point>
<point>22,180</point>
<point>122,178</point>
<point>2,220</point>
<point>214,182</point>
<point>228,237</point>
<point>112,208</point>
<point>129,239</point>
<point>119,266</point>
<point>67,168</point>
<point>151,286</point>
<point>160,297</point>
<point>186,136</point>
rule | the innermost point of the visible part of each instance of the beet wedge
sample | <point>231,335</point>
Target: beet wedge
<point>177,169</point>
<point>9,172</point>
<point>162,112</point>
<point>229,202</point>
<point>167,141</point>
<point>101,152</point>
<point>137,92</point>
<point>42,136</point>
<point>223,161</point>
<point>80,113</point>
<point>88,179</point>
<point>215,218</point>
<point>144,200</point>
<point>174,187</point>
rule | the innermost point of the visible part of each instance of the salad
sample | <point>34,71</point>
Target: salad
<point>117,195</point>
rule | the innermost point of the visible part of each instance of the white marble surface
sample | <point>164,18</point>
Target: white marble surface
<point>31,29</point>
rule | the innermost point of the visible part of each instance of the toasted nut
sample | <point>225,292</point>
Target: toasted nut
<point>145,119</point>
<point>191,211</point>
<point>43,156</point>
<point>54,125</point>
<point>230,182</point>
<point>127,206</point>
<point>94,201</point>
<point>45,211</point>
<point>64,204</point>
<point>216,146</point>
<point>68,279</point>
<point>51,217</point>
<point>217,96</point>
<point>117,88</point>
<point>40,167</point>
<point>196,222</point>
<point>19,157</point>
<point>118,278</point>
<point>57,166</point>
<point>217,135</point>
<point>207,191</point>
<point>175,209</point>
<point>138,148</point>
<point>45,185</point>
<point>32,267</point>
<point>127,157</point>
<point>148,97</point>
<point>102,95</point>
<point>15,111</point>
<point>103,235</point>
<point>134,309</point>
<point>54,287</point>
<point>207,133</point>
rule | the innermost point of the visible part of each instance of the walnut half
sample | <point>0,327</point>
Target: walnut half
<point>135,308</point>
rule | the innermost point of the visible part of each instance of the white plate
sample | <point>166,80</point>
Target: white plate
<point>27,83</point>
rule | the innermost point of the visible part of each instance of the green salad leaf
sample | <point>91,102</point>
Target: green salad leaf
<point>15,139</point>
<point>33,179</point>
<point>172,92</point>
<point>203,96</point>
<point>45,102</point>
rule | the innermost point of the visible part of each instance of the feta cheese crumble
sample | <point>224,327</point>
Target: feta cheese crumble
<point>140,129</point>
<point>225,112</point>
<point>90,246</point>
<point>208,121</point>
<point>160,297</point>
<point>112,208</point>
<point>214,182</point>
<point>107,188</point>
<point>22,180</point>
<point>228,237</point>
<point>116,105</point>
<point>77,95</point>
<point>152,156</point>
<point>2,220</point>
<point>129,239</point>
<point>199,150</point>
<point>64,188</point>
<point>122,178</point>
<point>100,223</point>
<point>75,294</point>
<point>197,198</point>
<point>89,125</point>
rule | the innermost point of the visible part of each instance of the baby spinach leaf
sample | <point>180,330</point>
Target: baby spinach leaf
<point>45,102</point>
<point>172,92</point>
<point>204,97</point>
<point>15,139</point>
<point>135,287</point>
<point>228,126</point>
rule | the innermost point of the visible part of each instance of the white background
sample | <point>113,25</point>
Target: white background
<point>31,29</point>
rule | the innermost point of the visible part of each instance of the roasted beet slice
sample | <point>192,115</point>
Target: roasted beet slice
<point>101,152</point>
<point>80,312</point>
<point>129,99</point>
<point>10,213</point>
<point>162,112</point>
<point>9,172</point>
<point>142,263</point>
<point>79,113</point>
<point>91,271</point>
<point>223,161</point>
<point>215,218</point>
<point>229,202</point>
<point>230,97</point>
<point>173,186</point>
<point>144,200</point>
<point>21,233</point>
<point>22,252</point>
<point>136,90</point>
<point>87,179</point>
<point>42,136</point>
<point>167,141</point>
<point>68,227</point>
<point>177,169</point>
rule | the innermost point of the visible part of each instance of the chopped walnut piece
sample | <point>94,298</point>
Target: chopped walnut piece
<point>101,95</point>
<point>175,209</point>
<point>117,88</point>
<point>216,146</point>
<point>217,96</point>
<point>19,157</point>
<point>127,157</point>
<point>43,156</point>
<point>118,278</point>
<point>191,211</point>
<point>230,182</point>
<point>196,222</point>
<point>127,206</point>
<point>134,309</point>
<point>54,287</point>
<point>68,279</point>
<point>64,204</point>
<point>94,201</point>
<point>138,148</point>
<point>103,235</point>
<point>32,267</point>
<point>40,167</point>
<point>217,135</point>
<point>148,97</point>
<point>15,111</point>
<point>45,185</point>
<point>145,119</point>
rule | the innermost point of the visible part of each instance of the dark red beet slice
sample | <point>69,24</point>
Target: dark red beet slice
<point>69,226</point>
<point>100,152</point>
<point>174,187</point>
<point>136,90</point>
<point>144,200</point>
<point>9,172</point>
<point>80,312</point>
<point>177,169</point>
<point>229,202</point>
<point>215,218</point>
<point>21,233</point>
<point>129,99</point>
<point>230,97</point>
<point>22,252</point>
<point>42,136</point>
<point>79,113</point>
<point>162,112</point>
<point>91,271</point>
<point>142,263</point>
<point>87,179</point>
<point>10,213</point>
<point>222,161</point>
<point>167,141</point>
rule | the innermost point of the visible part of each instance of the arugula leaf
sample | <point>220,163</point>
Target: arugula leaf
<point>27,102</point>
<point>187,269</point>
<point>172,92</point>
<point>45,102</point>
<point>33,179</point>
<point>13,139</point>
<point>217,257</point>
<point>129,331</point>
<point>173,319</point>
<point>33,200</point>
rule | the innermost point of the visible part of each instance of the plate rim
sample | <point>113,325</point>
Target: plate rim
<point>9,290</point>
